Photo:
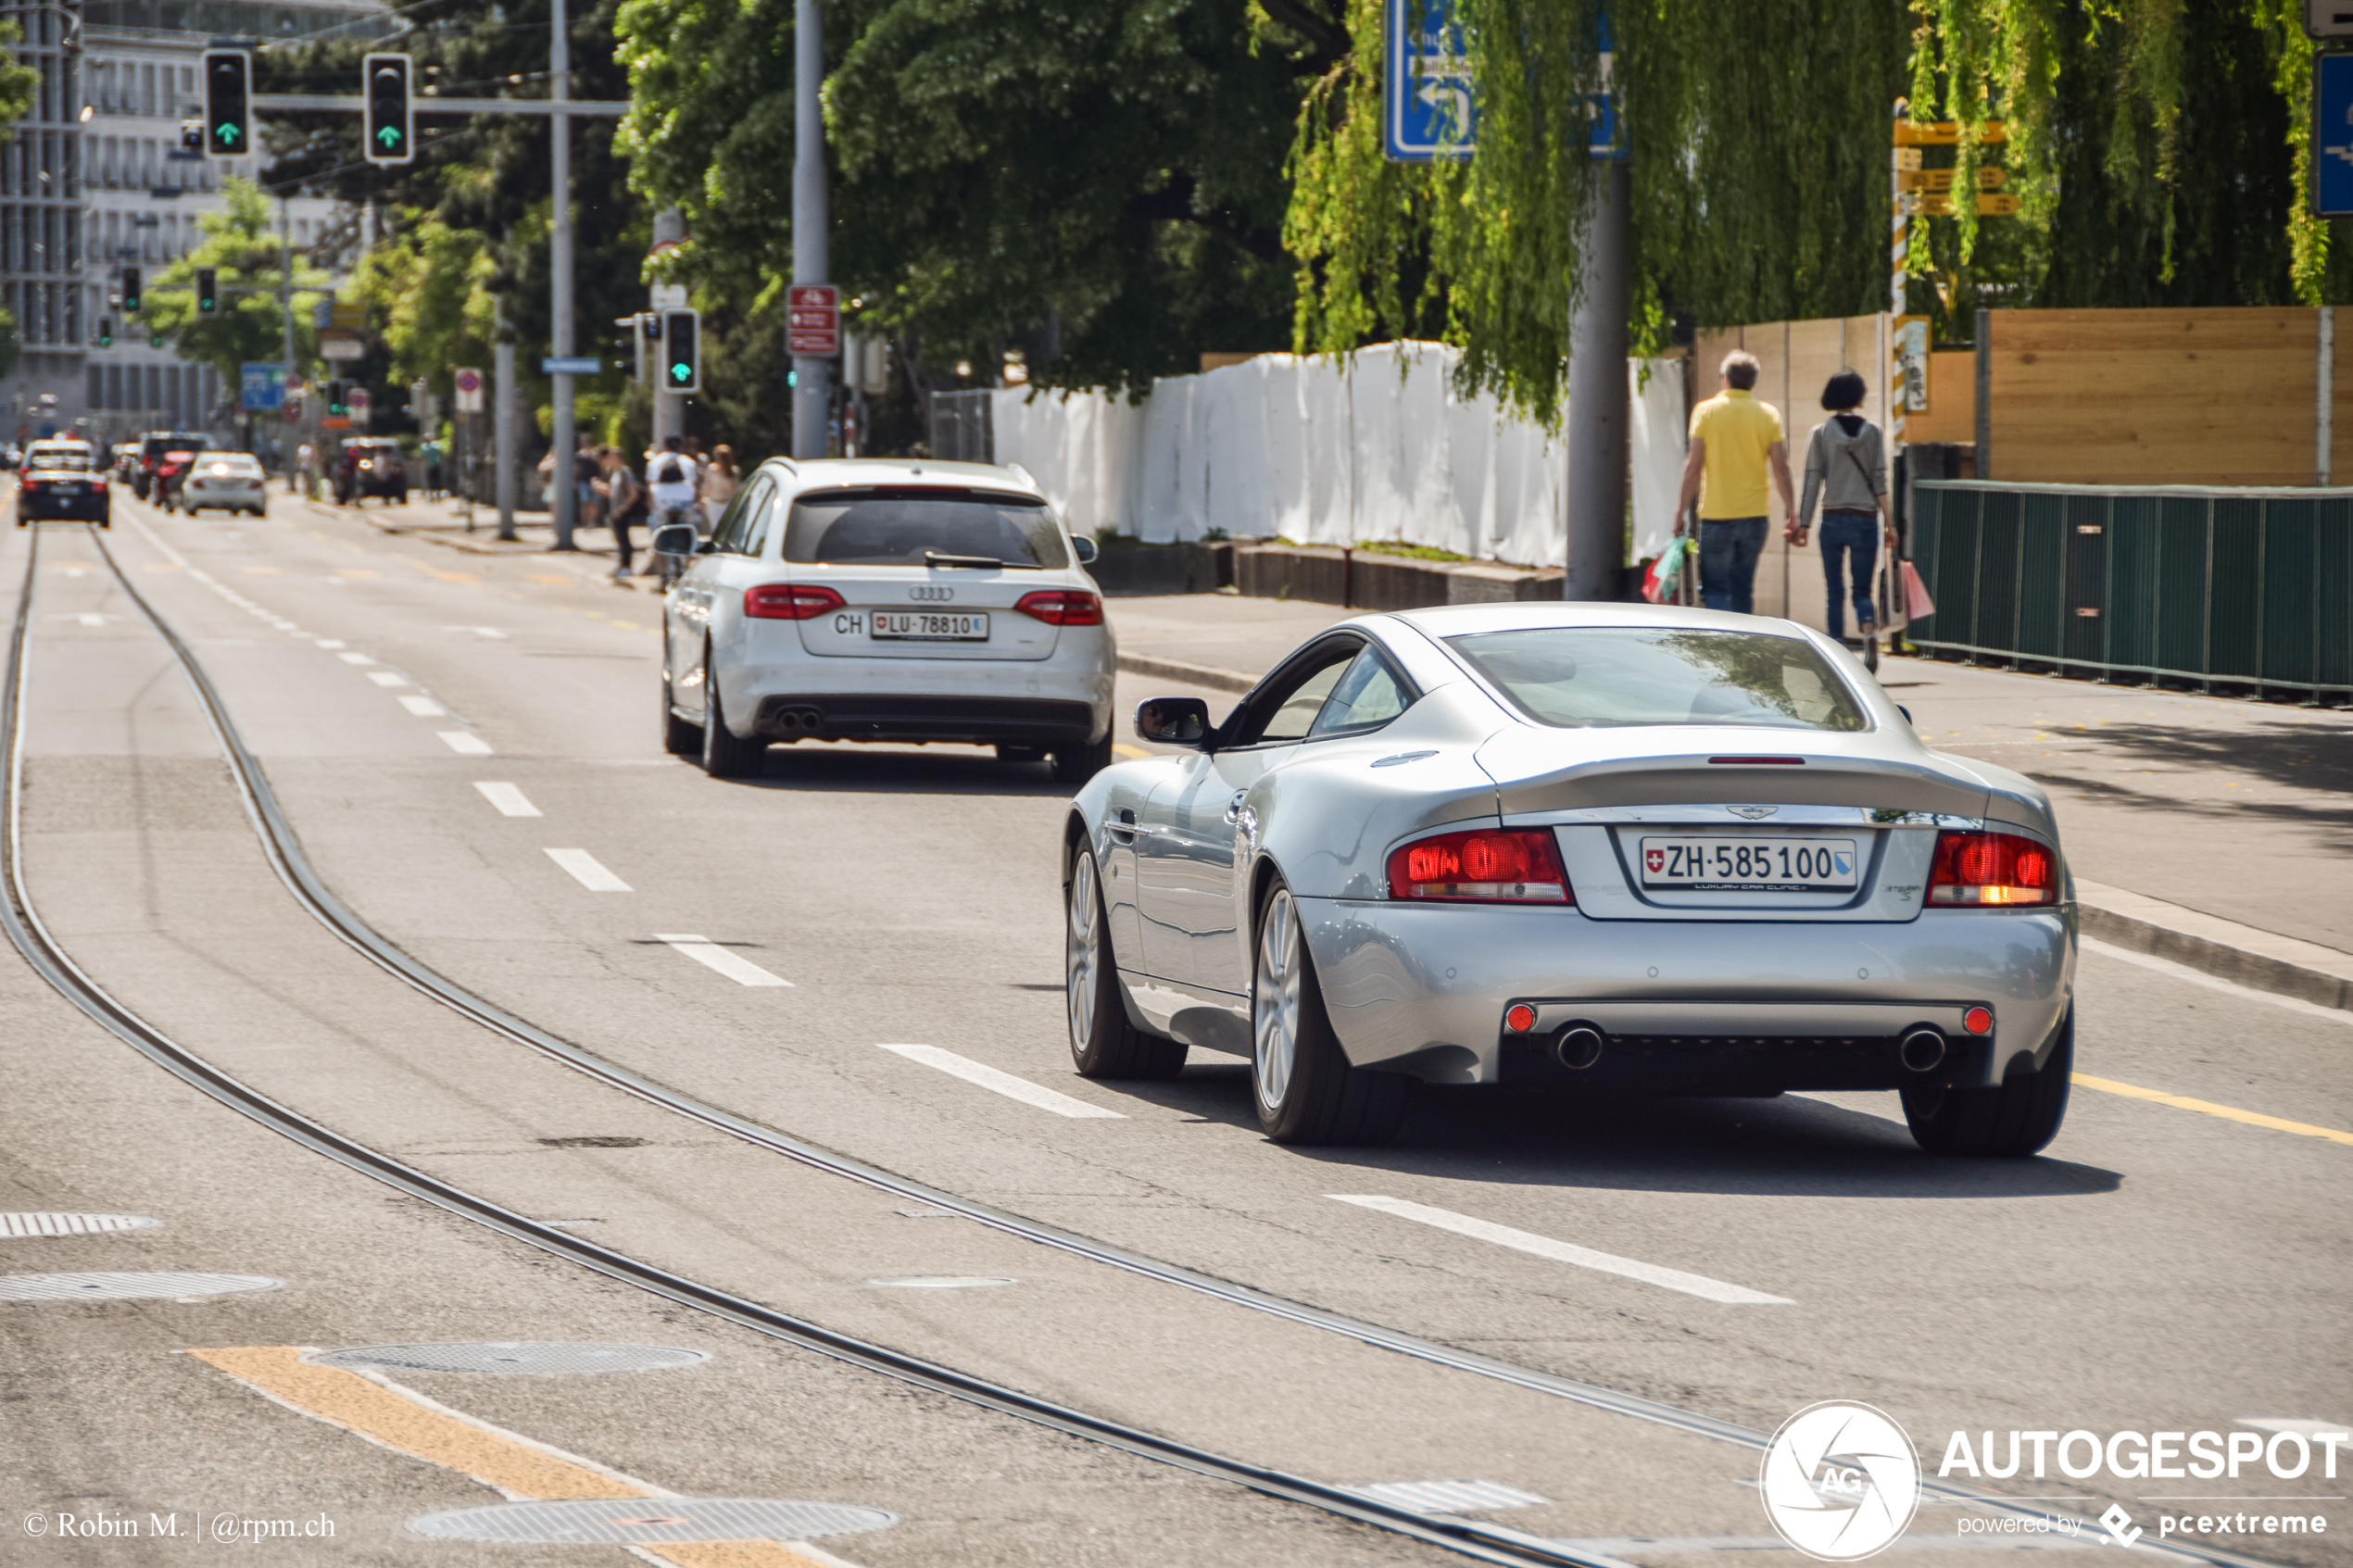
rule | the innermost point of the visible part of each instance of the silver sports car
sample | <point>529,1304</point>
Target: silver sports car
<point>1639,849</point>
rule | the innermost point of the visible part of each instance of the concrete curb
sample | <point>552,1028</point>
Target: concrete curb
<point>2262,960</point>
<point>1186,673</point>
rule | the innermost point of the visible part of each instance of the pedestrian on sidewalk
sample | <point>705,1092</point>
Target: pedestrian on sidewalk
<point>587,467</point>
<point>431,453</point>
<point>625,501</point>
<point>306,465</point>
<point>1845,470</point>
<point>720,480</point>
<point>672,481</point>
<point>1736,446</point>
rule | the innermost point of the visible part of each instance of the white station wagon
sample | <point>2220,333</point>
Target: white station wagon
<point>894,601</point>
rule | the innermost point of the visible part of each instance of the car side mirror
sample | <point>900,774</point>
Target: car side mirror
<point>675,539</point>
<point>1174,721</point>
<point>1085,549</point>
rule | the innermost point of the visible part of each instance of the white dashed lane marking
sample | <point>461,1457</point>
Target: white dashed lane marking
<point>704,951</point>
<point>588,871</point>
<point>355,659</point>
<point>387,678</point>
<point>464,743</point>
<point>424,706</point>
<point>1005,1083</point>
<point>511,801</point>
<point>1567,1252</point>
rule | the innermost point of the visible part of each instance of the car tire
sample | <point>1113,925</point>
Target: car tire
<point>2015,1119</point>
<point>1102,1042</point>
<point>724,756</point>
<point>1021,753</point>
<point>1078,762</point>
<point>1301,1080</point>
<point>680,737</point>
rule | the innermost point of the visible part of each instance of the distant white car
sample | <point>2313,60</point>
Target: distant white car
<point>230,481</point>
<point>867,600</point>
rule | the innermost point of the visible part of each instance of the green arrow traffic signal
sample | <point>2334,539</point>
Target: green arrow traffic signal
<point>389,137</point>
<point>228,98</point>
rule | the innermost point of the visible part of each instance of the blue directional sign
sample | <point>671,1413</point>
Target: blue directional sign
<point>265,388</point>
<point>1431,111</point>
<point>551,366</point>
<point>2333,136</point>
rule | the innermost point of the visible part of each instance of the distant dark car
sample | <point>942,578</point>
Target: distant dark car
<point>152,450</point>
<point>61,480</point>
<point>370,468</point>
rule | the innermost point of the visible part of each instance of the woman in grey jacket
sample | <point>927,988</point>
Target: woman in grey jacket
<point>1845,470</point>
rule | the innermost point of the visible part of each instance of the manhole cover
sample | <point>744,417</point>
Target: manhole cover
<point>71,1224</point>
<point>125,1288</point>
<point>938,1282</point>
<point>651,1519</point>
<point>511,1358</point>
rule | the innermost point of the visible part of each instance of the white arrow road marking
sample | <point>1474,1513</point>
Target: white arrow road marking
<point>464,743</point>
<point>1567,1252</point>
<point>511,801</point>
<point>424,706</point>
<point>588,871</point>
<point>1005,1083</point>
<point>703,950</point>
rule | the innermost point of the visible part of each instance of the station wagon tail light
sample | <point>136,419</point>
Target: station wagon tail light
<point>789,601</point>
<point>1987,868</point>
<point>1061,607</point>
<point>1512,866</point>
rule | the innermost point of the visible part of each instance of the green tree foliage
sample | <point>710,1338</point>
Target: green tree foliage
<point>1100,184</point>
<point>2159,149</point>
<point>242,245</point>
<point>428,291</point>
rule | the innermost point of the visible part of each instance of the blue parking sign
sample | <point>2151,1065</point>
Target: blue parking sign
<point>264,388</point>
<point>1429,111</point>
<point>2333,136</point>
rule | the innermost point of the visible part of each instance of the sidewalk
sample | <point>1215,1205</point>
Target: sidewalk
<point>2208,830</point>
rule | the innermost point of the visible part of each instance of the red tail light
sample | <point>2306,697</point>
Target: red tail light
<point>789,601</point>
<point>1061,607</point>
<point>1992,868</point>
<point>1489,867</point>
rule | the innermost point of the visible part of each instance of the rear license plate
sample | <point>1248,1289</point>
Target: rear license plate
<point>928,626</point>
<point>1750,864</point>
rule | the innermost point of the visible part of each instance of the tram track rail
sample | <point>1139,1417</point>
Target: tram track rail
<point>282,849</point>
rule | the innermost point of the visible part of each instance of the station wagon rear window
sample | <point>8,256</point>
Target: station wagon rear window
<point>1578,676</point>
<point>912,525</point>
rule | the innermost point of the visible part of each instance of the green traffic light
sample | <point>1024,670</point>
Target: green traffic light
<point>228,135</point>
<point>682,372</point>
<point>389,136</point>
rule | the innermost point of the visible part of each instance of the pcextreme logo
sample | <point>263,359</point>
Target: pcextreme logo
<point>1841,1481</point>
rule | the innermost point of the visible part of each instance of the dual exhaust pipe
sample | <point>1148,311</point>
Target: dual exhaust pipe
<point>797,720</point>
<point>1578,1045</point>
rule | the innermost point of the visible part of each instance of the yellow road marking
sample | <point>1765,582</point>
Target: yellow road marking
<point>1121,748</point>
<point>524,1471</point>
<point>357,572</point>
<point>2207,1107</point>
<point>454,576</point>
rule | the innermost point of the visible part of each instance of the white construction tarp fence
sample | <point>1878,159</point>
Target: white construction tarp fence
<point>1375,446</point>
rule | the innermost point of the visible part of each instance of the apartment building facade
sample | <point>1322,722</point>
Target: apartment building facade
<point>96,179</point>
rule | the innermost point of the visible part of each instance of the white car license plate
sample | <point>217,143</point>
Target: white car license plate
<point>929,626</point>
<point>1750,864</point>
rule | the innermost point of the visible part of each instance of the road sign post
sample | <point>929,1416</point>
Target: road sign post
<point>262,387</point>
<point>468,387</point>
<point>813,321</point>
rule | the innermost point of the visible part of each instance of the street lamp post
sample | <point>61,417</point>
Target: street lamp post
<point>813,377</point>
<point>567,491</point>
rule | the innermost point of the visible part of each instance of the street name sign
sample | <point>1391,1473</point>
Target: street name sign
<point>551,366</point>
<point>813,321</point>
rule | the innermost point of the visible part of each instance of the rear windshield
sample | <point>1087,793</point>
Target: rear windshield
<point>59,457</point>
<point>1574,676</point>
<point>158,445</point>
<point>906,526</point>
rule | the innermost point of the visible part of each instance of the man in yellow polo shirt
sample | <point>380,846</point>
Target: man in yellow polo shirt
<point>1736,442</point>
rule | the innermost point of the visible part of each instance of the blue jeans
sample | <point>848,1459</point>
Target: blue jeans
<point>1728,552</point>
<point>1849,538</point>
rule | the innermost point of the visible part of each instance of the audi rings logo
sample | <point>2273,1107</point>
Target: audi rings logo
<point>934,596</point>
<point>1841,1481</point>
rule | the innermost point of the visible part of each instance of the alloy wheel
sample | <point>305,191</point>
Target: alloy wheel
<point>1084,954</point>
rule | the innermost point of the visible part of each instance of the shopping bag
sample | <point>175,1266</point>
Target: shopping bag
<point>1659,583</point>
<point>1918,605</point>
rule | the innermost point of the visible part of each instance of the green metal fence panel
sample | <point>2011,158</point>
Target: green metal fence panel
<point>2206,584</point>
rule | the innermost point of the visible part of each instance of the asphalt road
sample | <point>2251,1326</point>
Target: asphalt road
<point>2162,1268</point>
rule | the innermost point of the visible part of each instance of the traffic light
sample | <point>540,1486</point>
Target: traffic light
<point>131,300</point>
<point>228,96</point>
<point>191,135</point>
<point>392,127</point>
<point>338,399</point>
<point>207,294</point>
<point>105,331</point>
<point>682,350</point>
